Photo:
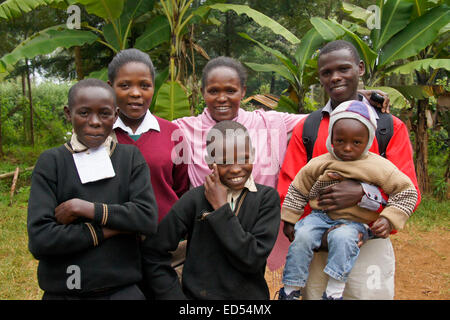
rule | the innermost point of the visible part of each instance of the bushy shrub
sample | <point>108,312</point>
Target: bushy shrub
<point>49,123</point>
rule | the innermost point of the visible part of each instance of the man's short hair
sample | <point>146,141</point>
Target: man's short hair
<point>339,45</point>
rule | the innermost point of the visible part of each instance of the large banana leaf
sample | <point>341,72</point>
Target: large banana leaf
<point>283,59</point>
<point>308,45</point>
<point>421,6</point>
<point>328,30</point>
<point>397,100</point>
<point>45,42</point>
<point>420,33</point>
<point>100,74</point>
<point>277,68</point>
<point>160,78</point>
<point>287,105</point>
<point>395,15</point>
<point>259,18</point>
<point>332,30</point>
<point>117,31</point>
<point>10,9</point>
<point>356,12</point>
<point>171,102</point>
<point>106,9</point>
<point>419,65</point>
<point>156,32</point>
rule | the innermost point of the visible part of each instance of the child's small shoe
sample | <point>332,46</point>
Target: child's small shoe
<point>294,295</point>
<point>325,297</point>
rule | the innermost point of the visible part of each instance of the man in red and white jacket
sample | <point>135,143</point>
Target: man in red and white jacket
<point>373,275</point>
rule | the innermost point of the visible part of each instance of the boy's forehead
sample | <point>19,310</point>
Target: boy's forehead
<point>93,93</point>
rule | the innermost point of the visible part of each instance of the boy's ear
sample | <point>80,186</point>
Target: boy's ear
<point>109,82</point>
<point>67,113</point>
<point>362,68</point>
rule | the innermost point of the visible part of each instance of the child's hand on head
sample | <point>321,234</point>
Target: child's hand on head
<point>68,211</point>
<point>215,191</point>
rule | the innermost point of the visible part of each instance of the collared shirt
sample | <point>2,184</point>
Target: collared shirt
<point>232,196</point>
<point>149,123</point>
<point>92,164</point>
<point>77,146</point>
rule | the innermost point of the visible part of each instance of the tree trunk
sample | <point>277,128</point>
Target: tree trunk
<point>272,83</point>
<point>30,99</point>
<point>78,63</point>
<point>422,147</point>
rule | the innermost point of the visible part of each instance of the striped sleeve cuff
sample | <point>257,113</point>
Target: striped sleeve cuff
<point>101,213</point>
<point>96,233</point>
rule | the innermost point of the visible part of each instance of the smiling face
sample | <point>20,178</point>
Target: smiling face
<point>92,114</point>
<point>234,174</point>
<point>134,90</point>
<point>339,75</point>
<point>223,93</point>
<point>349,139</point>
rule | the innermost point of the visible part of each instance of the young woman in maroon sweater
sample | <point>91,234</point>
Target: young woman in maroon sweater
<point>131,74</point>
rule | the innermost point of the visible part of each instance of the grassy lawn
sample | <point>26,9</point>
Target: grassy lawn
<point>18,267</point>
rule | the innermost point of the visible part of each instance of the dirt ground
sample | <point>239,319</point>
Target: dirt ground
<point>422,265</point>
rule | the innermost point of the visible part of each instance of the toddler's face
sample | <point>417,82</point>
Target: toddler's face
<point>350,138</point>
<point>92,115</point>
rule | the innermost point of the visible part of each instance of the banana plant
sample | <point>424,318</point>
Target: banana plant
<point>118,20</point>
<point>300,72</point>
<point>170,98</point>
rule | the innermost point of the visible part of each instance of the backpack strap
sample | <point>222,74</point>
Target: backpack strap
<point>310,129</point>
<point>385,130</point>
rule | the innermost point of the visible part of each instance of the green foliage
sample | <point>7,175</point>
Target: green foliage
<point>431,214</point>
<point>50,126</point>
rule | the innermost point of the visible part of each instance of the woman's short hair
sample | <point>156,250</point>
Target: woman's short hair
<point>224,62</point>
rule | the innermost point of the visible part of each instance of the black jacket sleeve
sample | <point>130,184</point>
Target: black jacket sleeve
<point>140,213</point>
<point>248,250</point>
<point>45,235</point>
<point>156,250</point>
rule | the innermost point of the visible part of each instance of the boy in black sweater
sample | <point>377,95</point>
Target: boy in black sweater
<point>90,199</point>
<point>230,224</point>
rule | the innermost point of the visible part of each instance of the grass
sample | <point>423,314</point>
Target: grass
<point>430,214</point>
<point>17,265</point>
